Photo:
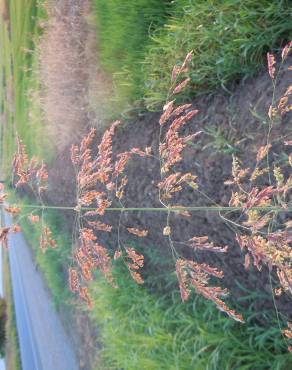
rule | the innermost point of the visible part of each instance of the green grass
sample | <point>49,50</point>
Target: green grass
<point>12,350</point>
<point>140,330</point>
<point>230,39</point>
<point>123,32</point>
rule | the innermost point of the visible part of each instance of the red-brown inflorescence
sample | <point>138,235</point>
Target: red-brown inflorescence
<point>273,251</point>
<point>171,149</point>
<point>271,248</point>
<point>34,218</point>
<point>13,210</point>
<point>100,180</point>
<point>29,172</point>
<point>288,334</point>
<point>203,243</point>
<point>137,261</point>
<point>271,65</point>
<point>47,240</point>
<point>173,183</point>
<point>137,232</point>
<point>3,196</point>
<point>265,241</point>
<point>97,225</point>
<point>73,280</point>
<point>85,295</point>
<point>191,274</point>
<point>4,233</point>
<point>42,178</point>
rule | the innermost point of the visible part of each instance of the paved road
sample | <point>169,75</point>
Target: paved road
<point>44,344</point>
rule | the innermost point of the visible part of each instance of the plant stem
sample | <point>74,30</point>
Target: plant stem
<point>163,209</point>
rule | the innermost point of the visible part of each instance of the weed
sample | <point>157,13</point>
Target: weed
<point>219,142</point>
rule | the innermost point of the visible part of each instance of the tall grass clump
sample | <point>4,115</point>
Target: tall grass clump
<point>123,31</point>
<point>229,37</point>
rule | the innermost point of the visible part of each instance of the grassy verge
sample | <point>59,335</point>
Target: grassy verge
<point>19,90</point>
<point>12,350</point>
<point>229,37</point>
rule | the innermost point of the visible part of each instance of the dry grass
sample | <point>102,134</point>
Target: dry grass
<point>68,54</point>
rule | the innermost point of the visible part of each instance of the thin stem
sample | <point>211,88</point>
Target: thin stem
<point>164,209</point>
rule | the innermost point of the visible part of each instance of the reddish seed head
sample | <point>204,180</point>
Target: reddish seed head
<point>271,64</point>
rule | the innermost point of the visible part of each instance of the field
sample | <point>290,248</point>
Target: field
<point>64,71</point>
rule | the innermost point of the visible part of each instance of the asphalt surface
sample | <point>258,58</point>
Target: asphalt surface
<point>44,344</point>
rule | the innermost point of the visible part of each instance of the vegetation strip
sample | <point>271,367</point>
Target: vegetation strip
<point>12,351</point>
